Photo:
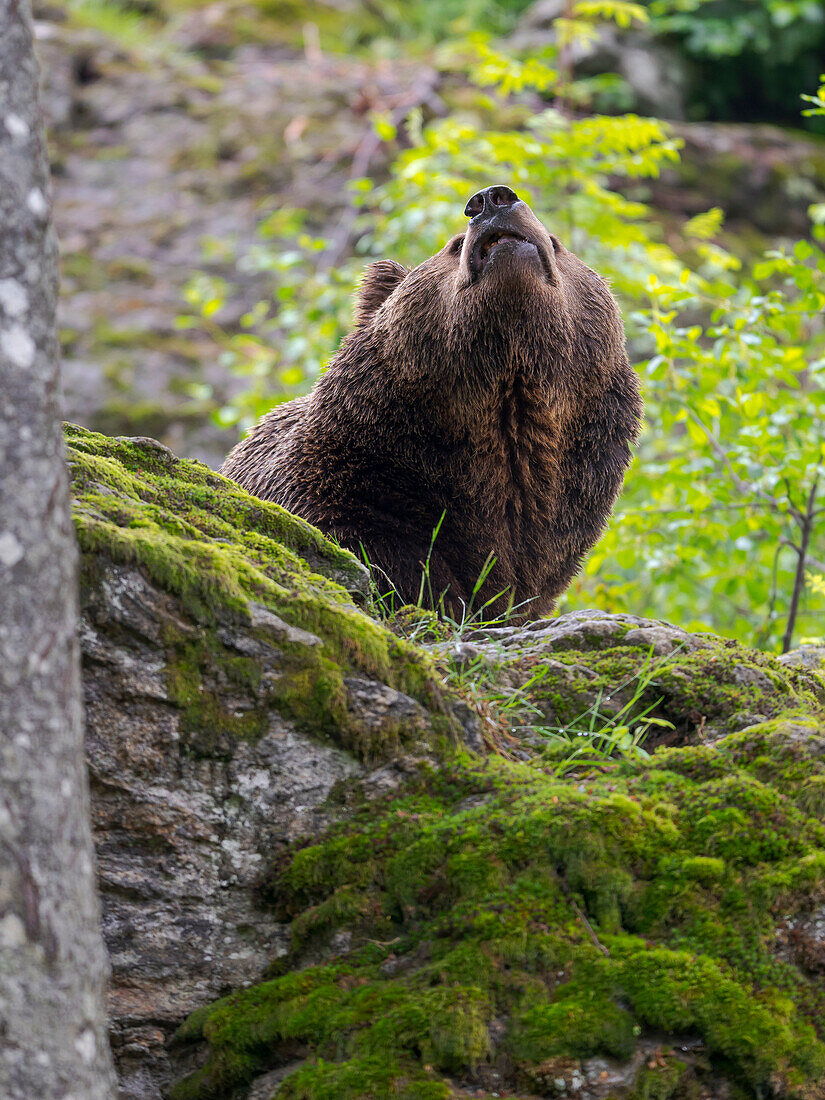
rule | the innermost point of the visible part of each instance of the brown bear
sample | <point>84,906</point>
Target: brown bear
<point>487,390</point>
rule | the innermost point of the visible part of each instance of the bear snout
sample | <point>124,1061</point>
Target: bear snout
<point>509,230</point>
<point>490,201</point>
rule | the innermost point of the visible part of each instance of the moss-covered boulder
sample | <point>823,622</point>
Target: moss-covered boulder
<point>229,561</point>
<point>294,844</point>
<point>643,930</point>
<point>647,926</point>
<point>234,687</point>
<point>569,671</point>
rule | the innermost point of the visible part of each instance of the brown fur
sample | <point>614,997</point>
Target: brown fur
<point>500,396</point>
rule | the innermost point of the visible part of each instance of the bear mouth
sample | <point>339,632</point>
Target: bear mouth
<point>497,241</point>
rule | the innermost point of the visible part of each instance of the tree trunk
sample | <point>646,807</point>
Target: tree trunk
<point>53,967</point>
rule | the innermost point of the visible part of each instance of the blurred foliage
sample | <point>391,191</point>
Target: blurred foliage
<point>748,58</point>
<point>753,55</point>
<point>728,495</point>
<point>721,523</point>
<point>429,22</point>
<point>125,23</point>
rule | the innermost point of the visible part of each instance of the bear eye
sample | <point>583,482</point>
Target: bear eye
<point>456,246</point>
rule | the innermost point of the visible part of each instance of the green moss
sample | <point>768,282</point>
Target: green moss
<point>578,1023</point>
<point>707,687</point>
<point>703,868</point>
<point>761,1034</point>
<point>658,1081</point>
<point>360,1077</point>
<point>497,914</point>
<point>176,490</point>
<point>198,674</point>
<point>584,913</point>
<point>812,796</point>
<point>223,555</point>
<point>418,624</point>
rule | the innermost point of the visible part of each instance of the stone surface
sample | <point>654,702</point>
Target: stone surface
<point>593,665</point>
<point>201,768</point>
<point>805,656</point>
<point>762,177</point>
<point>583,630</point>
<point>182,832</point>
<point>509,932</point>
<point>308,892</point>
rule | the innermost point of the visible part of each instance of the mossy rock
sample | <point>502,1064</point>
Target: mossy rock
<point>514,933</point>
<point>486,924</point>
<point>234,565</point>
<point>698,687</point>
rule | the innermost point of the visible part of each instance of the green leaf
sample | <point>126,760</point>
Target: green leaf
<point>384,127</point>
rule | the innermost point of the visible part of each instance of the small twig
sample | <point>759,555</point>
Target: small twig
<point>815,562</point>
<point>376,10</point>
<point>721,506</point>
<point>806,525</point>
<point>588,926</point>
<point>804,520</point>
<point>576,909</point>
<point>565,63</point>
<point>795,512</point>
<point>744,487</point>
<point>771,616</point>
<point>312,45</point>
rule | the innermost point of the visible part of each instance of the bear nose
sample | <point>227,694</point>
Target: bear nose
<point>490,200</point>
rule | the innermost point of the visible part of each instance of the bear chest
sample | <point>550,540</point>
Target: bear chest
<point>517,460</point>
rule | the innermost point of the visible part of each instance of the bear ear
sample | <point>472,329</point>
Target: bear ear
<point>380,280</point>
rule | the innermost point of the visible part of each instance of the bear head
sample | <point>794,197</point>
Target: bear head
<point>505,296</point>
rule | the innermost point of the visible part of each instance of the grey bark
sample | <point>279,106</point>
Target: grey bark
<point>53,968</point>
